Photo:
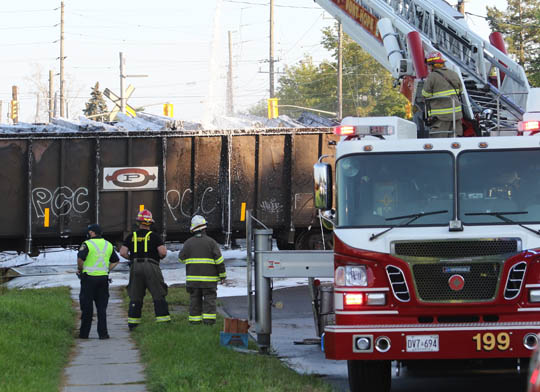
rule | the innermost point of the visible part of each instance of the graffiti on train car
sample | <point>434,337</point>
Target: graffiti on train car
<point>61,201</point>
<point>175,201</point>
<point>271,206</point>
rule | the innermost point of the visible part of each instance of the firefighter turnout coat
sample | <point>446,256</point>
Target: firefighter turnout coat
<point>204,262</point>
<point>441,89</point>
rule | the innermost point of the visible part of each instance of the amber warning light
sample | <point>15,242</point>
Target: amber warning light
<point>350,130</point>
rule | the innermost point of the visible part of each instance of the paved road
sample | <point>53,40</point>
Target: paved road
<point>294,323</point>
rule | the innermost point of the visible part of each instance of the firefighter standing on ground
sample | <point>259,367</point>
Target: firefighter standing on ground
<point>441,89</point>
<point>204,268</point>
<point>144,250</point>
<point>96,257</point>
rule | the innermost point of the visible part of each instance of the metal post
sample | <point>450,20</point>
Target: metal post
<point>229,196</point>
<point>51,89</point>
<point>62,57</point>
<point>122,76</point>
<point>263,315</point>
<point>271,60</point>
<point>249,265</point>
<point>164,187</point>
<point>96,179</point>
<point>29,163</point>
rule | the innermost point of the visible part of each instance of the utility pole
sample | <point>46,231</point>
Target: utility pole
<point>122,76</point>
<point>271,68</point>
<point>36,118</point>
<point>51,89</point>
<point>340,73</point>
<point>1,104</point>
<point>230,106</point>
<point>55,106</point>
<point>62,81</point>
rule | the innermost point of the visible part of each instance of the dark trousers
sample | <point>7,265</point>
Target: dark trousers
<point>202,304</point>
<point>145,274</point>
<point>94,289</point>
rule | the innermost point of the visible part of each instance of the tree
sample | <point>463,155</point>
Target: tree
<point>260,109</point>
<point>38,83</point>
<point>40,88</point>
<point>367,86</point>
<point>96,105</point>
<point>520,24</point>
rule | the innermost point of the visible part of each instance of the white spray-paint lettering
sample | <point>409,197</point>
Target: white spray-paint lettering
<point>61,200</point>
<point>175,201</point>
<point>271,206</point>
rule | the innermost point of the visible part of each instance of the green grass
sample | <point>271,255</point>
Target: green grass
<point>183,357</point>
<point>36,334</point>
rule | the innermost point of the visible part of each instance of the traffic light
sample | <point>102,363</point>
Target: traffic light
<point>14,115</point>
<point>273,108</point>
<point>168,109</point>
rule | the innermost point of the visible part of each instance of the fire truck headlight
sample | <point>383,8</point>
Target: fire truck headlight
<point>534,296</point>
<point>351,275</point>
<point>355,275</point>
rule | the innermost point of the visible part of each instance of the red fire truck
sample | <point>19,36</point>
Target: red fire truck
<point>436,247</point>
<point>436,241</point>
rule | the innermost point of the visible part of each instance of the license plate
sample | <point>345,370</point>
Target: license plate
<point>422,343</point>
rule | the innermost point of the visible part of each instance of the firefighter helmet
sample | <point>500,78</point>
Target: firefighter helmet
<point>145,216</point>
<point>435,58</point>
<point>197,223</point>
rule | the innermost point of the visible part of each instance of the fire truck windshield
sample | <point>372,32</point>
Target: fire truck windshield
<point>499,181</point>
<point>375,187</point>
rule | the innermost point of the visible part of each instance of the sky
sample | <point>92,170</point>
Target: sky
<point>182,47</point>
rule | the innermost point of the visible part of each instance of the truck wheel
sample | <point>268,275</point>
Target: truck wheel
<point>369,376</point>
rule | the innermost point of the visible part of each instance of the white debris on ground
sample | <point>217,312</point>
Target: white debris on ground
<point>152,122</point>
<point>57,267</point>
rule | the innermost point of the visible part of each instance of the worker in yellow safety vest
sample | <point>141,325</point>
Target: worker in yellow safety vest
<point>96,257</point>
<point>442,91</point>
<point>145,249</point>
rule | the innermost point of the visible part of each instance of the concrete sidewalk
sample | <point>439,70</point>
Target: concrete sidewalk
<point>105,365</point>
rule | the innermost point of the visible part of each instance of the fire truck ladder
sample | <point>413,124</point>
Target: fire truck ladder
<point>369,22</point>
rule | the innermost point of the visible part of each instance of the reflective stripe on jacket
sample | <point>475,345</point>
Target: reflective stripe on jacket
<point>203,259</point>
<point>136,240</point>
<point>442,98</point>
<point>99,254</point>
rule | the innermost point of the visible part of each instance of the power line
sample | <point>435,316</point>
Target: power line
<point>26,27</point>
<point>267,4</point>
<point>26,11</point>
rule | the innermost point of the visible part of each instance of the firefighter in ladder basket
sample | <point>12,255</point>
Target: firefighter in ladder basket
<point>442,91</point>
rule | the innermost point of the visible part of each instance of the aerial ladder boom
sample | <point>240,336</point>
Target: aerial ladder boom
<point>392,31</point>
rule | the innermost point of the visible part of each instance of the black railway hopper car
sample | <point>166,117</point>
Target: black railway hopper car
<point>54,185</point>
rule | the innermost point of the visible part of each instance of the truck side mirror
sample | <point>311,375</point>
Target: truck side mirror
<point>322,179</point>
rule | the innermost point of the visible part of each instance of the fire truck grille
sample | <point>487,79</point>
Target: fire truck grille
<point>456,282</point>
<point>456,249</point>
